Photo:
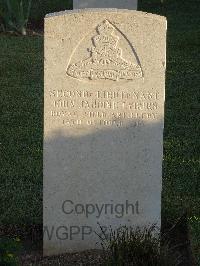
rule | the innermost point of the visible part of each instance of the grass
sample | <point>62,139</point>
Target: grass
<point>181,167</point>
<point>181,156</point>
<point>194,226</point>
<point>139,247</point>
<point>21,101</point>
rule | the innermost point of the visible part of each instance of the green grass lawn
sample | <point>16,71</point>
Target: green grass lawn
<point>181,187</point>
<point>21,101</point>
<point>181,168</point>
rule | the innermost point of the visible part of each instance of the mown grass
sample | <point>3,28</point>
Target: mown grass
<point>181,167</point>
<point>21,101</point>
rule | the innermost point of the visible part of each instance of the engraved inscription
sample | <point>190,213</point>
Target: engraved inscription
<point>103,108</point>
<point>106,61</point>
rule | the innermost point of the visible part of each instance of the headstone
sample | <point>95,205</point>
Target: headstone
<point>103,124</point>
<point>124,4</point>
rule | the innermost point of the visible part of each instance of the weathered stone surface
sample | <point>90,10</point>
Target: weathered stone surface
<point>124,4</point>
<point>103,124</point>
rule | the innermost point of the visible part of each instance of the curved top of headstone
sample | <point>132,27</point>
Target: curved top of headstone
<point>102,48</point>
<point>101,10</point>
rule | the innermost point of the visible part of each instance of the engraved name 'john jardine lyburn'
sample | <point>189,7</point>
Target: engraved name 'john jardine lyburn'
<point>105,60</point>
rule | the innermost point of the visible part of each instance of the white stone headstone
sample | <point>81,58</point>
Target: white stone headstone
<point>103,124</point>
<point>124,4</point>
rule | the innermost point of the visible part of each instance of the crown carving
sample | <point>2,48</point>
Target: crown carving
<point>105,60</point>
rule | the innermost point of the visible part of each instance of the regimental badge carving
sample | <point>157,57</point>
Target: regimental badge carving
<point>106,61</point>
